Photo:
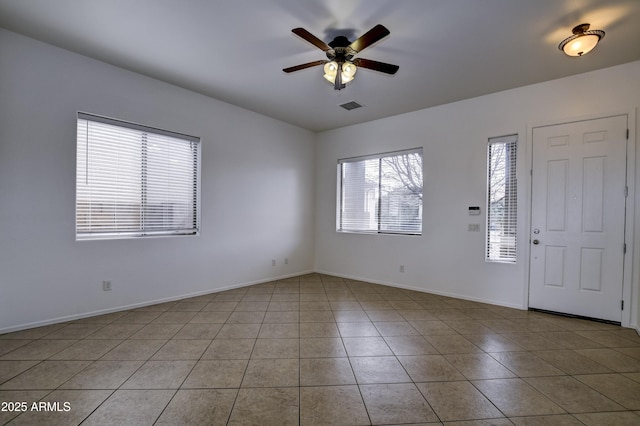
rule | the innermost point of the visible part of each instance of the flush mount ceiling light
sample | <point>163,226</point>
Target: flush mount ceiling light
<point>582,41</point>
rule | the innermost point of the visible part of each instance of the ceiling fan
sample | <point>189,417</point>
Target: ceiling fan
<point>340,66</point>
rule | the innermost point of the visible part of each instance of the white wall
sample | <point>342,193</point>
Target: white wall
<point>257,191</point>
<point>447,259</point>
<point>265,169</point>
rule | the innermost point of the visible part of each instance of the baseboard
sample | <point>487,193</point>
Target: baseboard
<point>422,290</point>
<point>69,318</point>
<point>75,317</point>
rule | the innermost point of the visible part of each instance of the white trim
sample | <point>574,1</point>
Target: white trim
<point>135,126</point>
<point>361,183</point>
<point>250,283</point>
<point>141,217</point>
<point>74,317</point>
<point>630,287</point>
<point>380,155</point>
<point>427,291</point>
<point>505,140</point>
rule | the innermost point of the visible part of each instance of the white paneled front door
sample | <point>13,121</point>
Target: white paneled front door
<point>578,217</point>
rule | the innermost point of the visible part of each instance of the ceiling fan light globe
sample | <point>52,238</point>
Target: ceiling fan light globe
<point>331,68</point>
<point>330,78</point>
<point>348,71</point>
<point>581,44</point>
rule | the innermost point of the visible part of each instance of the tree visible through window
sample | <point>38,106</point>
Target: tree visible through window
<point>381,193</point>
<point>502,199</point>
<point>134,181</point>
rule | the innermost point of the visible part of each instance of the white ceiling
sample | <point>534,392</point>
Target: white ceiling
<point>234,51</point>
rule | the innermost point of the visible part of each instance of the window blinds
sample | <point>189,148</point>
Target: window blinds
<point>381,193</point>
<point>134,181</point>
<point>502,199</point>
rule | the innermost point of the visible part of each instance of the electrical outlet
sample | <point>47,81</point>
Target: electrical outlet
<point>106,285</point>
<point>273,262</point>
<point>286,260</point>
<point>474,227</point>
<point>401,268</point>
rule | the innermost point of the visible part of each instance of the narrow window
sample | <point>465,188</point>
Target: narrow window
<point>381,193</point>
<point>134,181</point>
<point>502,199</point>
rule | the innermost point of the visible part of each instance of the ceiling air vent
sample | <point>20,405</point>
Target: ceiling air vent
<point>351,105</point>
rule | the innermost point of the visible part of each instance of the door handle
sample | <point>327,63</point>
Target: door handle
<point>536,242</point>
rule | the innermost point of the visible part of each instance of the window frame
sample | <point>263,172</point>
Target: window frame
<point>506,252</point>
<point>378,209</point>
<point>141,231</point>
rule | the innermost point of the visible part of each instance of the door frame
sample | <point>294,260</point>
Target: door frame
<point>631,268</point>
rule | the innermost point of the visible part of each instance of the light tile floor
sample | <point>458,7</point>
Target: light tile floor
<point>318,349</point>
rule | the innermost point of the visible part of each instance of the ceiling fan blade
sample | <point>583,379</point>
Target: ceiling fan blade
<point>303,66</point>
<point>370,37</point>
<point>301,32</point>
<point>376,66</point>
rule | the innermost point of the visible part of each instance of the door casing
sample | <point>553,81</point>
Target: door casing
<point>631,264</point>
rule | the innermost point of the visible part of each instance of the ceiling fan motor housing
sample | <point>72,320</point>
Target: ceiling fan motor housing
<point>340,50</point>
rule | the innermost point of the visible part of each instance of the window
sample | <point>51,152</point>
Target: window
<point>134,181</point>
<point>502,199</point>
<point>381,193</point>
